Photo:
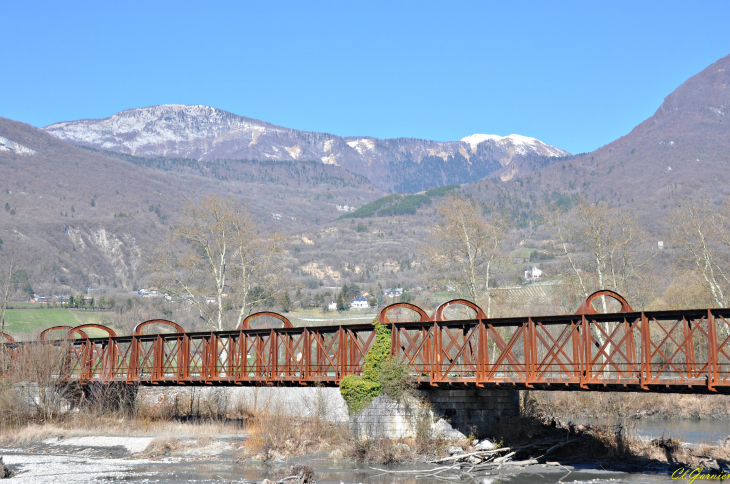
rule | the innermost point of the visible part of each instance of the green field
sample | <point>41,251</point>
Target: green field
<point>26,323</point>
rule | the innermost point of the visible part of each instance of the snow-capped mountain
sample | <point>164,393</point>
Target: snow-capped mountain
<point>522,145</point>
<point>206,133</point>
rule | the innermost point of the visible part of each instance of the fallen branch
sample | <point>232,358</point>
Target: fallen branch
<point>555,447</point>
<point>422,473</point>
<point>504,458</point>
<point>463,456</point>
<point>417,471</point>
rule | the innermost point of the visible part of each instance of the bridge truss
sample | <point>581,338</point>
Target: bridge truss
<point>685,351</point>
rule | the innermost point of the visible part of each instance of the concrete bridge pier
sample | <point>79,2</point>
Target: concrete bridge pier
<point>473,410</point>
<point>448,412</point>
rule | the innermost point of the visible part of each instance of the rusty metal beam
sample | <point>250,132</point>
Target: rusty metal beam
<point>678,351</point>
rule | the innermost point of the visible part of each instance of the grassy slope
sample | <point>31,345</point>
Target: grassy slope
<point>25,323</point>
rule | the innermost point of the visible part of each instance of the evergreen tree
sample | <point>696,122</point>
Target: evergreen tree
<point>285,302</point>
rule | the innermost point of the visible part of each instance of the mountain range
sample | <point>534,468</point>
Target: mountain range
<point>90,197</point>
<point>87,218</point>
<point>204,133</point>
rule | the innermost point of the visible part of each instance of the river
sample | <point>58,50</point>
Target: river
<point>697,432</point>
<point>84,466</point>
<point>64,469</point>
<point>331,473</point>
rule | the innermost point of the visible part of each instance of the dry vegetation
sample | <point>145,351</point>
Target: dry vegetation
<point>613,446</point>
<point>609,405</point>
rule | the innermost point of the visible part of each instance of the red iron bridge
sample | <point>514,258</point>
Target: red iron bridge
<point>680,351</point>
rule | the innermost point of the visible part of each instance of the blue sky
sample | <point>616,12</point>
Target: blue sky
<point>574,74</point>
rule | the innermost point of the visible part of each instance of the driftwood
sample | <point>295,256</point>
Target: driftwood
<point>465,456</point>
<point>422,473</point>
<point>417,471</point>
<point>484,453</point>
<point>467,466</point>
<point>302,475</point>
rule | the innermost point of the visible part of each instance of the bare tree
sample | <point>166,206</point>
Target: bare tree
<point>218,259</point>
<point>686,290</point>
<point>464,250</point>
<point>7,265</point>
<point>604,249</point>
<point>6,278</point>
<point>703,233</point>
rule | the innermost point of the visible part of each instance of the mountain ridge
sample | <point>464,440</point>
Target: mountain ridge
<point>680,151</point>
<point>205,133</point>
<point>85,218</point>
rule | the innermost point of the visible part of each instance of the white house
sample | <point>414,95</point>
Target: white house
<point>359,303</point>
<point>532,274</point>
<point>332,306</point>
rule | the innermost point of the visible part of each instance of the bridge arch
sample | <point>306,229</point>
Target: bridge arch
<point>383,314</point>
<point>246,323</point>
<point>438,315</point>
<point>138,329</point>
<point>79,329</point>
<point>587,306</point>
<point>7,337</point>
<point>44,334</point>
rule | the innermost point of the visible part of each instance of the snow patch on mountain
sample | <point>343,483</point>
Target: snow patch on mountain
<point>361,145</point>
<point>475,139</point>
<point>169,126</point>
<point>294,151</point>
<point>522,145</point>
<point>17,148</point>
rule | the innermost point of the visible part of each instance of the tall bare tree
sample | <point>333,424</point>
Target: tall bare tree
<point>7,267</point>
<point>703,233</point>
<point>604,249</point>
<point>464,250</point>
<point>218,259</point>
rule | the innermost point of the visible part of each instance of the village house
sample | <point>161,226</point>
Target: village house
<point>533,274</point>
<point>359,303</point>
<point>392,292</point>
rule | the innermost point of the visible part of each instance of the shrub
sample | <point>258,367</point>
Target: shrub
<point>379,352</point>
<point>358,392</point>
<point>381,374</point>
<point>395,378</point>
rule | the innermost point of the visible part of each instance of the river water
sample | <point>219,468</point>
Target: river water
<point>335,475</point>
<point>79,468</point>
<point>690,431</point>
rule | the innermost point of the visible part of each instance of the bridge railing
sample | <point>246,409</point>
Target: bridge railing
<point>659,350</point>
